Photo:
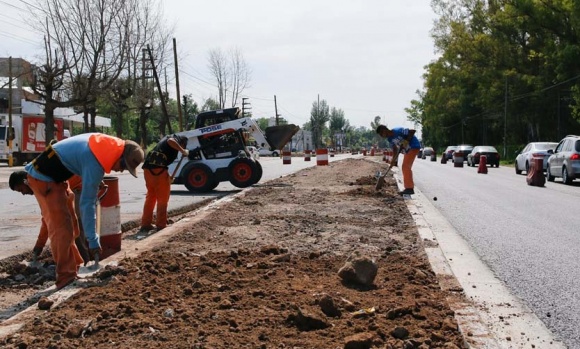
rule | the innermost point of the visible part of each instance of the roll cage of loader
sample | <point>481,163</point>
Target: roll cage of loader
<point>218,150</point>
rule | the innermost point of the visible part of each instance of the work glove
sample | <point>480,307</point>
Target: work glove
<point>36,252</point>
<point>95,251</point>
<point>185,153</point>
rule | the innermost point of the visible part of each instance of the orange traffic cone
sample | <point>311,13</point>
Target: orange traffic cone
<point>535,176</point>
<point>482,168</point>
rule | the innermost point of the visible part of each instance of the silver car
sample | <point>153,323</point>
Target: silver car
<point>565,162</point>
<point>531,150</point>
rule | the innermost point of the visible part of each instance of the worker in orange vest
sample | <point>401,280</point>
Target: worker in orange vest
<point>90,156</point>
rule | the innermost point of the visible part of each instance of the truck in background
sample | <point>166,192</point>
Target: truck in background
<point>28,132</point>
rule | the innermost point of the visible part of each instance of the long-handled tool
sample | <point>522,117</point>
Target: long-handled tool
<point>176,168</point>
<point>381,180</point>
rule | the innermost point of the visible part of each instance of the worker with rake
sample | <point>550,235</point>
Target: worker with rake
<point>402,139</point>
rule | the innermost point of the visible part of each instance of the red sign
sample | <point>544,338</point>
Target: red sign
<point>34,133</point>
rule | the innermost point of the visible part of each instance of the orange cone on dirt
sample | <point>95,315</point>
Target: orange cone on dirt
<point>482,168</point>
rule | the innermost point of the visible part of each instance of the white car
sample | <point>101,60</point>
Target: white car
<point>531,150</point>
<point>267,152</point>
<point>254,152</point>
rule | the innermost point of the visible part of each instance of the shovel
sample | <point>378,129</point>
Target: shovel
<point>175,171</point>
<point>381,180</point>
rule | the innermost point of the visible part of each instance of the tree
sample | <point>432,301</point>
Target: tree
<point>231,73</point>
<point>84,52</point>
<point>319,116</point>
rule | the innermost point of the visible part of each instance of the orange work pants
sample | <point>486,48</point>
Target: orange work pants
<point>158,190</point>
<point>56,202</point>
<point>408,160</point>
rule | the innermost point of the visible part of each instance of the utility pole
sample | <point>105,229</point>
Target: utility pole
<point>163,105</point>
<point>244,108</point>
<point>276,111</point>
<point>505,119</point>
<point>10,129</point>
<point>177,85</point>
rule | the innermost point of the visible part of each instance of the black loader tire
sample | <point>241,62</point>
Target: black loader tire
<point>198,178</point>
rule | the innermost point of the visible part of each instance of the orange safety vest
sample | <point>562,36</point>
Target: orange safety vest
<point>107,149</point>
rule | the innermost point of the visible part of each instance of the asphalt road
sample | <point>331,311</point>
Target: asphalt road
<point>20,215</point>
<point>528,236</point>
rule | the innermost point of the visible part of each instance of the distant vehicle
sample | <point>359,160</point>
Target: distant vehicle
<point>427,152</point>
<point>449,151</point>
<point>491,154</point>
<point>464,149</point>
<point>267,152</point>
<point>534,150</point>
<point>565,162</point>
<point>254,152</point>
<point>420,153</point>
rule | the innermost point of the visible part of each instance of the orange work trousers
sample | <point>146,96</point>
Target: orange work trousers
<point>407,170</point>
<point>158,189</point>
<point>56,202</point>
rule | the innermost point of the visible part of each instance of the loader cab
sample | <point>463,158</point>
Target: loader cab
<point>219,116</point>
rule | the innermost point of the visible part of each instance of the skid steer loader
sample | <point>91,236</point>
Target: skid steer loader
<point>218,150</point>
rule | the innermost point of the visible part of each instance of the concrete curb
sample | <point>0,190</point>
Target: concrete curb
<point>489,316</point>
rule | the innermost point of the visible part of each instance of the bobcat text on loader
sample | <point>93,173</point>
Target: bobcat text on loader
<point>218,150</point>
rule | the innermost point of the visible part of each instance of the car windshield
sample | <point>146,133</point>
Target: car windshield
<point>488,149</point>
<point>546,146</point>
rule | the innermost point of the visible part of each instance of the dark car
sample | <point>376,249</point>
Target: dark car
<point>464,150</point>
<point>491,155</point>
<point>449,151</point>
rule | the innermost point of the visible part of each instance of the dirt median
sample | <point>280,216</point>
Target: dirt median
<point>261,271</point>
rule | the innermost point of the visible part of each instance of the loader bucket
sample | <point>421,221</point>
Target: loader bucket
<point>278,136</point>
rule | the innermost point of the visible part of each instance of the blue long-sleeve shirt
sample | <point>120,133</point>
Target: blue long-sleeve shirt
<point>400,134</point>
<point>77,157</point>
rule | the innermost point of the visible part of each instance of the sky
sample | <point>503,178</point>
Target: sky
<point>366,57</point>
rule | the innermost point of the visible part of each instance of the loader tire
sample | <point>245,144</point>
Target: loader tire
<point>243,172</point>
<point>258,173</point>
<point>199,178</point>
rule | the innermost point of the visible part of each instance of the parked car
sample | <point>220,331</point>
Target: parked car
<point>449,152</point>
<point>268,152</point>
<point>565,162</point>
<point>532,150</point>
<point>491,154</point>
<point>254,152</point>
<point>464,149</point>
<point>427,152</point>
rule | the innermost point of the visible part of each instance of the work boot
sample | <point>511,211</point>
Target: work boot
<point>147,229</point>
<point>407,191</point>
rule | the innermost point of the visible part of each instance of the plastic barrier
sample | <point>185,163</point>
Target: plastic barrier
<point>322,157</point>
<point>373,151</point>
<point>433,157</point>
<point>443,158</point>
<point>307,155</point>
<point>110,218</point>
<point>458,159</point>
<point>364,152</point>
<point>535,176</point>
<point>482,168</point>
<point>286,158</point>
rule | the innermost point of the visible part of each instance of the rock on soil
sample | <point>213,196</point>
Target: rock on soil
<point>262,272</point>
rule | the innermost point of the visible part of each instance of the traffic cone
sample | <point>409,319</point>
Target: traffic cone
<point>482,168</point>
<point>535,176</point>
<point>443,158</point>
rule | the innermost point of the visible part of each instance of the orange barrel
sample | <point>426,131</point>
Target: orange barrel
<point>433,156</point>
<point>307,155</point>
<point>322,157</point>
<point>286,157</point>
<point>443,158</point>
<point>482,168</point>
<point>457,159</point>
<point>373,151</point>
<point>110,218</point>
<point>364,151</point>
